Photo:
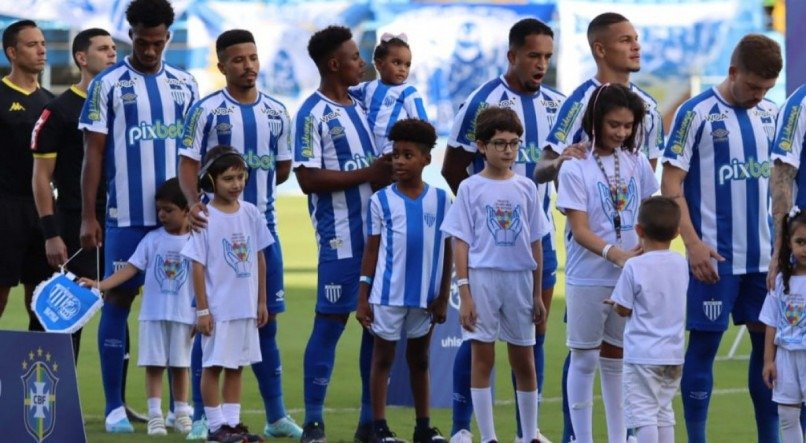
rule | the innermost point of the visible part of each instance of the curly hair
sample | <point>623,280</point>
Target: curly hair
<point>324,43</point>
<point>414,130</point>
<point>150,13</point>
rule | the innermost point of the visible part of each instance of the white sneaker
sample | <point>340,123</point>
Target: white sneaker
<point>462,436</point>
<point>156,426</point>
<point>542,438</point>
<point>183,424</point>
<point>632,439</point>
<point>170,419</point>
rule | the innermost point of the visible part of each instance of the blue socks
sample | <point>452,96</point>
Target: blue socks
<point>365,365</point>
<point>568,428</point>
<point>195,378</point>
<point>269,373</point>
<point>462,404</point>
<point>111,349</point>
<point>698,381</point>
<point>766,410</point>
<point>320,353</point>
<point>537,349</point>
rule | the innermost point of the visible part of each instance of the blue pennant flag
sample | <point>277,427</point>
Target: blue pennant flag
<point>62,305</point>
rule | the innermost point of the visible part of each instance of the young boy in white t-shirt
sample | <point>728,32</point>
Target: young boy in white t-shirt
<point>166,315</point>
<point>497,225</point>
<point>228,275</point>
<point>651,292</point>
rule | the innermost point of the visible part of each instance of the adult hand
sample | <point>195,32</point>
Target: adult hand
<point>198,216</point>
<point>438,310</point>
<point>363,314</point>
<point>91,233</point>
<point>56,251</point>
<point>381,170</point>
<point>699,258</point>
<point>575,150</point>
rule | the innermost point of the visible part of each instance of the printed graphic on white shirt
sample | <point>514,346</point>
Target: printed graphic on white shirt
<point>237,253</point>
<point>504,222</point>
<point>171,272</point>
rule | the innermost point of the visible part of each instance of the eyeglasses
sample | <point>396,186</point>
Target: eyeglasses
<point>503,145</point>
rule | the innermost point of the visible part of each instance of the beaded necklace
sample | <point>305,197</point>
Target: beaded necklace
<point>617,193</point>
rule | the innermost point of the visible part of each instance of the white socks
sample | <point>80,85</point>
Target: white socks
<point>215,417</point>
<point>154,407</point>
<point>182,408</point>
<point>789,419</point>
<point>232,413</point>
<point>527,407</point>
<point>580,392</point>
<point>613,398</point>
<point>483,409</point>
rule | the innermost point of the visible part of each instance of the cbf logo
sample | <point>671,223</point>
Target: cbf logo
<point>712,309</point>
<point>39,385</point>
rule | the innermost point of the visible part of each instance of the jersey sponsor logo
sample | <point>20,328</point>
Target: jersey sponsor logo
<point>171,272</point>
<point>335,243</point>
<point>720,135</point>
<point>125,83</point>
<point>37,127</point>
<point>337,132</point>
<point>331,116</point>
<point>16,107</point>
<point>528,154</point>
<point>764,114</point>
<point>264,162</point>
<point>129,98</point>
<point>193,121</point>
<point>788,130</point>
<point>470,135</point>
<point>332,292</point>
<point>226,110</point>
<point>94,102</point>
<point>679,137</point>
<point>223,128</point>
<point>508,103</point>
<point>268,110</point>
<point>358,162</point>
<point>717,117</point>
<point>156,131</point>
<point>712,309</point>
<point>309,126</point>
<point>550,105</point>
<point>39,383</point>
<point>504,222</point>
<point>237,253</point>
<point>749,170</point>
<point>561,131</point>
<point>279,296</point>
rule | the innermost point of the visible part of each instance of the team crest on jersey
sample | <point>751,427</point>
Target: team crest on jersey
<point>237,253</point>
<point>504,222</point>
<point>625,206</point>
<point>332,292</point>
<point>712,309</point>
<point>178,91</point>
<point>429,218</point>
<point>770,131</point>
<point>388,101</point>
<point>39,383</point>
<point>171,272</point>
<point>275,125</point>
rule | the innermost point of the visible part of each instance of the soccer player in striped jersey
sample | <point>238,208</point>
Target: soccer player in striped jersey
<point>132,120</point>
<point>716,166</point>
<point>405,275</point>
<point>389,99</point>
<point>531,45</point>
<point>259,128</point>
<point>337,166</point>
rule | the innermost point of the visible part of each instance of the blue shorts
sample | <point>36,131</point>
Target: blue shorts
<point>740,295</point>
<point>337,289</point>
<point>275,289</point>
<point>119,245</point>
<point>549,278</point>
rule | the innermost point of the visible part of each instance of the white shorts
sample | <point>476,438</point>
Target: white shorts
<point>790,386</point>
<point>590,320</point>
<point>504,306</point>
<point>648,392</point>
<point>164,344</point>
<point>233,344</point>
<point>390,321</point>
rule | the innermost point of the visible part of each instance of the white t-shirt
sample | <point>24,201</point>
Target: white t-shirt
<point>785,313</point>
<point>654,286</point>
<point>168,287</point>
<point>499,219</point>
<point>228,250</point>
<point>583,188</point>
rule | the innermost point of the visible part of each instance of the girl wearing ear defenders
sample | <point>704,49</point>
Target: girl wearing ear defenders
<point>600,195</point>
<point>229,277</point>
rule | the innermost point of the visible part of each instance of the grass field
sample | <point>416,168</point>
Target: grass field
<point>731,410</point>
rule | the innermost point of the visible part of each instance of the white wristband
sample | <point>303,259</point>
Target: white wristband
<point>462,282</point>
<point>202,312</point>
<point>605,250</point>
<point>365,279</point>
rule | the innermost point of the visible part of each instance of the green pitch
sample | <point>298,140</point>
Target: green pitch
<point>731,409</point>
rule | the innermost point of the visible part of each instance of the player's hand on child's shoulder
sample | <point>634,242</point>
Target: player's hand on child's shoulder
<point>575,150</point>
<point>204,324</point>
<point>363,313</point>
<point>262,314</point>
<point>198,216</point>
<point>439,310</point>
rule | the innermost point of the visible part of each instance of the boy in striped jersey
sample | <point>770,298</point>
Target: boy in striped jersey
<point>259,128</point>
<point>132,121</point>
<point>407,287</point>
<point>521,88</point>
<point>337,166</point>
<point>716,167</point>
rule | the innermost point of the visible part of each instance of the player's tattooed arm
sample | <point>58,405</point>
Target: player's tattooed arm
<point>548,166</point>
<point>782,182</point>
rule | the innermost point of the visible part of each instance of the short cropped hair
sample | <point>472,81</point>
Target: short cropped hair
<point>172,193</point>
<point>150,13</point>
<point>81,43</point>
<point>230,38</point>
<point>495,118</point>
<point>601,23</point>
<point>11,33</point>
<point>759,55</point>
<point>660,218</point>
<point>416,131</point>
<point>524,28</point>
<point>324,43</point>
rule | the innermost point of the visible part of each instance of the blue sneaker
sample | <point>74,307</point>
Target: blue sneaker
<point>285,427</point>
<point>122,426</point>
<point>198,431</point>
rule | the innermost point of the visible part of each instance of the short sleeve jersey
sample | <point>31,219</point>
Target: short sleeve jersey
<point>228,250</point>
<point>143,118</point>
<point>412,247</point>
<point>784,312</point>
<point>260,131</point>
<point>537,112</point>
<point>168,288</point>
<point>56,136</point>
<point>583,187</point>
<point>331,136</point>
<point>499,220</point>
<point>385,105</point>
<point>725,151</point>
<point>790,139</point>
<point>654,286</point>
<point>19,110</point>
<point>568,126</point>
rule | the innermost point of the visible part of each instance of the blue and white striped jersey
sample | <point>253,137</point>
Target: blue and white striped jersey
<point>260,131</point>
<point>412,248</point>
<point>329,135</point>
<point>385,105</point>
<point>143,118</point>
<point>537,113</point>
<point>725,151</point>
<point>568,126</point>
<point>791,138</point>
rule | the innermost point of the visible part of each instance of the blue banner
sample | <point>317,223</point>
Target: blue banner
<point>62,305</point>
